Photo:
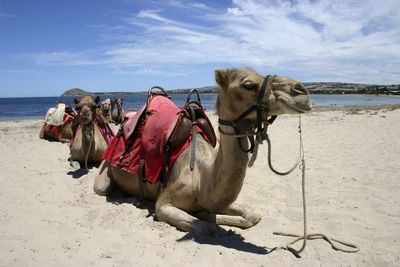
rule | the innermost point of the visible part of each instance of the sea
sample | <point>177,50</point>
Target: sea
<point>36,107</point>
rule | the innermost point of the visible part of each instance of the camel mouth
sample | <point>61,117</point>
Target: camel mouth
<point>299,103</point>
<point>85,120</point>
<point>296,98</point>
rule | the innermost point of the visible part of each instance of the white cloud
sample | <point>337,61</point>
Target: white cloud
<point>318,40</point>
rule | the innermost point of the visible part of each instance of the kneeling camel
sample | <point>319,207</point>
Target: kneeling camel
<point>199,200</point>
<point>88,143</point>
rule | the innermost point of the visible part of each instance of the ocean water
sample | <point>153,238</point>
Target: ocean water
<point>36,107</point>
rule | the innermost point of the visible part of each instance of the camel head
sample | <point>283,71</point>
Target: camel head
<point>106,106</point>
<point>119,102</point>
<point>239,90</point>
<point>86,108</point>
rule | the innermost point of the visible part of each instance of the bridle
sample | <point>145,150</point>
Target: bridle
<point>259,127</point>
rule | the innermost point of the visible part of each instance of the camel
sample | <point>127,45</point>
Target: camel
<point>198,201</point>
<point>88,144</point>
<point>106,109</point>
<point>119,113</point>
<point>58,124</point>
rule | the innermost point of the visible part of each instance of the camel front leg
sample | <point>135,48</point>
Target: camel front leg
<point>183,221</point>
<point>236,214</point>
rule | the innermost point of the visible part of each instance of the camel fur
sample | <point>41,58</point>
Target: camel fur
<point>88,135</point>
<point>199,200</point>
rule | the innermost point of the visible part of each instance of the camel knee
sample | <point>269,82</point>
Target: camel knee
<point>102,183</point>
<point>41,134</point>
<point>101,187</point>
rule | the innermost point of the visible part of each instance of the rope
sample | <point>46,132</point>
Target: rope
<point>301,163</point>
<point>90,147</point>
<point>260,137</point>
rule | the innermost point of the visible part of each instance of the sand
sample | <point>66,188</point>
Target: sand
<point>50,216</point>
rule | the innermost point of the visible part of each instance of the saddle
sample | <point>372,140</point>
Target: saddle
<point>150,140</point>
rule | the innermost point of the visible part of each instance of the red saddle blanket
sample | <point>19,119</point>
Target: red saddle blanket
<point>144,136</point>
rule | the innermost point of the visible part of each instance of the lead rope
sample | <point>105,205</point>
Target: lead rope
<point>90,147</point>
<point>301,164</point>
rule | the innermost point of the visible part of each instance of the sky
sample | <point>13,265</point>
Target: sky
<point>49,46</point>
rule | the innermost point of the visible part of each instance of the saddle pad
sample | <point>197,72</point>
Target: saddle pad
<point>126,154</point>
<point>144,136</point>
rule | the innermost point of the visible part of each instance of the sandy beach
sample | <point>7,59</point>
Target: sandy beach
<point>50,215</point>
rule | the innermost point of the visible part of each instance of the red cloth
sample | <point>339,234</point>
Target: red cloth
<point>129,161</point>
<point>148,141</point>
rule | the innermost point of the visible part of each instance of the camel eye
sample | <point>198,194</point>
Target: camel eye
<point>248,85</point>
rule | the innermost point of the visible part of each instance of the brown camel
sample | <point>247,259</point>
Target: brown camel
<point>88,144</point>
<point>119,113</point>
<point>199,200</point>
<point>106,109</point>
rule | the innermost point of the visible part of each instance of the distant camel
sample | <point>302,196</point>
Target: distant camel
<point>118,114</point>
<point>58,124</point>
<point>198,200</point>
<point>106,109</point>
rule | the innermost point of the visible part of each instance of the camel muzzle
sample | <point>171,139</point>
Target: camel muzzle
<point>296,96</point>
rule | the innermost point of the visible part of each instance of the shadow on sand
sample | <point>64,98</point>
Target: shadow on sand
<point>79,171</point>
<point>118,197</point>
<point>228,239</point>
<point>76,174</point>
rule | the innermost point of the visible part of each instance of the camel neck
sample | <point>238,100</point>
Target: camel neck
<point>87,133</point>
<point>229,169</point>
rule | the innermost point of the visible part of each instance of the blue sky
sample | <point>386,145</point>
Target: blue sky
<point>48,46</point>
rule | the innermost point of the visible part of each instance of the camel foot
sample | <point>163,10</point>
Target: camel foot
<point>74,165</point>
<point>235,215</point>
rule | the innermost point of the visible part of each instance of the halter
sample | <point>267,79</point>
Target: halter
<point>258,128</point>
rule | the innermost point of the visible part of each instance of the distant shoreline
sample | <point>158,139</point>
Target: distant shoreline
<point>348,109</point>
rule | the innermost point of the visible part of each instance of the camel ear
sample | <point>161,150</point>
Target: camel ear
<point>97,99</point>
<point>221,78</point>
<point>76,101</point>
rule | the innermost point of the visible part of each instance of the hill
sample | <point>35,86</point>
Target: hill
<point>76,92</point>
